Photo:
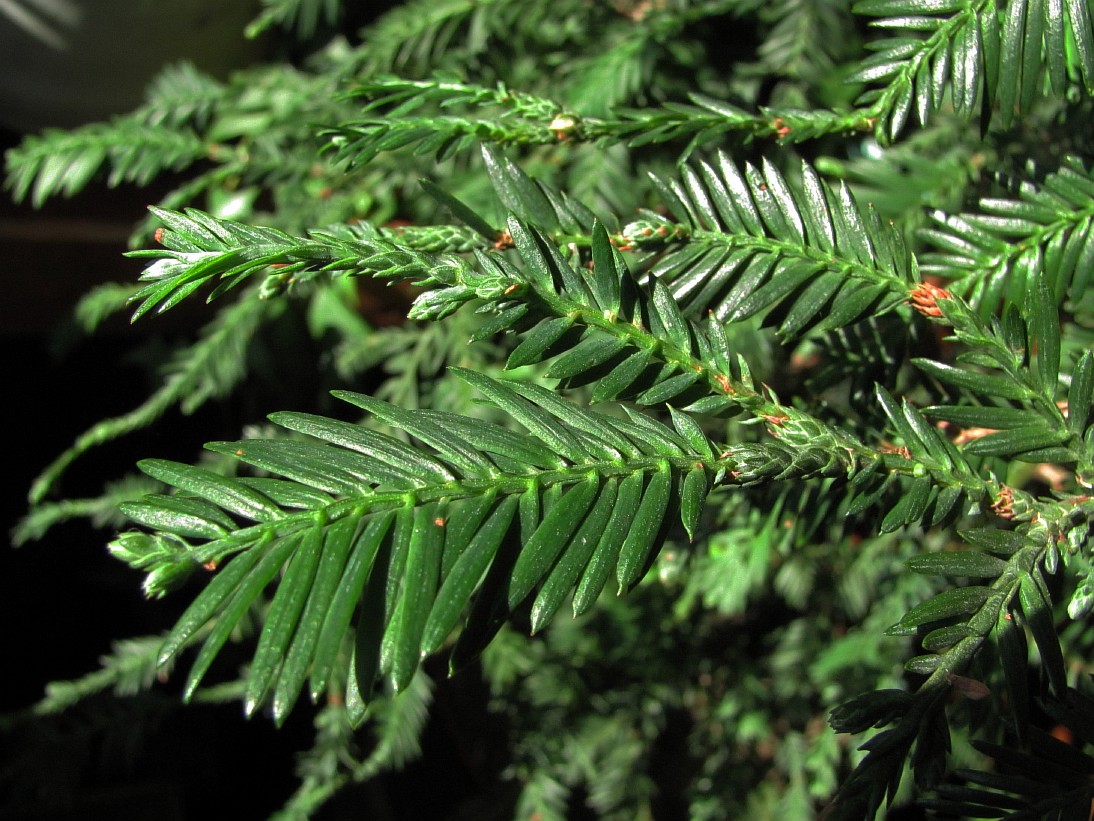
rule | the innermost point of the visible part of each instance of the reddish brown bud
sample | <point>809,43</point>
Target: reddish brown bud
<point>924,298</point>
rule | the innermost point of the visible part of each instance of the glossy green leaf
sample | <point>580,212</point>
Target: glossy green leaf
<point>896,415</point>
<point>1078,15</point>
<point>517,191</point>
<point>465,518</point>
<point>544,262</point>
<point>450,448</point>
<point>502,321</point>
<point>282,618</point>
<point>981,383</point>
<point>923,665</point>
<point>456,589</point>
<point>782,283</point>
<point>869,496</point>
<point>489,610</point>
<point>550,539</point>
<point>338,541</point>
<point>1082,599</point>
<point>564,575</point>
<point>784,201</point>
<point>689,429</point>
<point>677,205</point>
<point>764,198</point>
<point>1037,610</point>
<point>715,188</point>
<point>984,416</point>
<point>494,439</point>
<point>178,516</point>
<point>961,601</point>
<point>635,550</point>
<point>400,460</point>
<point>622,376</point>
<point>945,637</point>
<point>349,592</point>
<point>652,437</point>
<point>419,588</point>
<point>243,598</point>
<point>288,494</point>
<point>1015,441</point>
<point>809,305</point>
<point>1055,45</point>
<point>756,272</point>
<point>1031,53</point>
<point>231,496</point>
<point>959,564</point>
<point>606,555</point>
<point>1045,334</point>
<point>1011,59</point>
<point>210,601</point>
<point>946,505</point>
<point>667,314</point>
<point>606,267</point>
<point>319,466</point>
<point>741,196</point>
<point>401,538</point>
<point>602,440</point>
<point>533,417</point>
<point>855,239</point>
<point>366,662</point>
<point>1080,396</point>
<point>692,497</point>
<point>536,344</point>
<point>668,389</point>
<point>595,349</point>
<point>853,304</point>
<point>911,506</point>
<point>705,210</point>
<point>1000,542</point>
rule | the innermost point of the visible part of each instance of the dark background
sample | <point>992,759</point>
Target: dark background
<point>64,600</point>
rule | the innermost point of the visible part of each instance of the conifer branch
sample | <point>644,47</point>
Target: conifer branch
<point>63,163</point>
<point>994,257</point>
<point>971,55</point>
<point>530,120</point>
<point>131,667</point>
<point>102,510</point>
<point>832,456</point>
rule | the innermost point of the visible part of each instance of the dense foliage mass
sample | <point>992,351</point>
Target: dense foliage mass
<point>780,324</point>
